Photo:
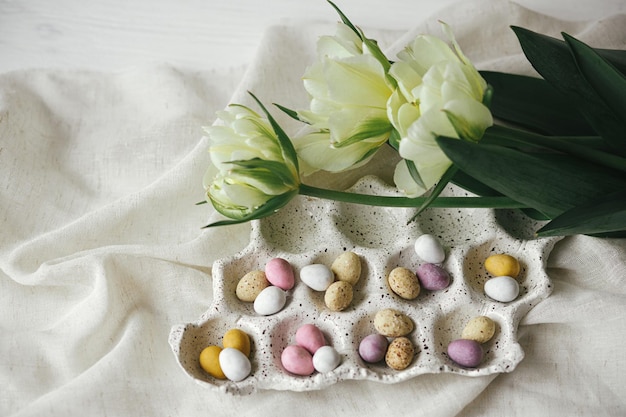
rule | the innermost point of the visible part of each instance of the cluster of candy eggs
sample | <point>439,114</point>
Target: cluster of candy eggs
<point>336,282</point>
<point>503,285</point>
<point>310,353</point>
<point>468,351</point>
<point>231,361</point>
<point>429,275</point>
<point>393,325</point>
<point>267,289</point>
<point>391,343</point>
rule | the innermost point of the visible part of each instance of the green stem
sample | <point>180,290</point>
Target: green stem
<point>499,202</point>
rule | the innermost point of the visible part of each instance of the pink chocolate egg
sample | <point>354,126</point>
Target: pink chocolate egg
<point>297,360</point>
<point>310,337</point>
<point>280,273</point>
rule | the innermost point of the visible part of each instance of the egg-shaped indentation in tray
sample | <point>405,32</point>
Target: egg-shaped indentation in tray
<point>301,226</point>
<point>310,230</point>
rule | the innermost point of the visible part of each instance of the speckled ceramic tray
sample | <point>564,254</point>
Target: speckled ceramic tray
<point>317,231</point>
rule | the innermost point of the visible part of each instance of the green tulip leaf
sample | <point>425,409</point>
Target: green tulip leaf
<point>471,184</point>
<point>289,152</point>
<point>436,191</point>
<point>616,57</point>
<point>415,175</point>
<point>289,112</point>
<point>534,104</point>
<point>550,183</point>
<point>394,139</point>
<point>345,19</point>
<point>588,148</point>
<point>270,207</point>
<point>605,214</point>
<point>265,171</point>
<point>553,59</point>
<point>369,128</point>
<point>607,82</point>
<point>370,44</point>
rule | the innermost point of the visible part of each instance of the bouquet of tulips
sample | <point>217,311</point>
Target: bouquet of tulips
<point>554,147</point>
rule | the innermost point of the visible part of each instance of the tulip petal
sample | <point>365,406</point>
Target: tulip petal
<point>316,150</point>
<point>404,181</point>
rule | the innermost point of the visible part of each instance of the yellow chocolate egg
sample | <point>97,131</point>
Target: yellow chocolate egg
<point>238,339</point>
<point>502,265</point>
<point>209,361</point>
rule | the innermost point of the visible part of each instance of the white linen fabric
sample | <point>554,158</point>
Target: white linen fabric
<point>102,251</point>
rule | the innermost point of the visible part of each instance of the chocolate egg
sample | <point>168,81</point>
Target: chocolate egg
<point>270,301</point>
<point>325,359</point>
<point>428,249</point>
<point>235,365</point>
<point>465,352</point>
<point>503,289</point>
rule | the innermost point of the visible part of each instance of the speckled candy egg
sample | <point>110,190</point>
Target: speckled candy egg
<point>318,277</point>
<point>373,347</point>
<point>467,353</point>
<point>433,277</point>
<point>338,296</point>
<point>392,323</point>
<point>279,272</point>
<point>404,283</point>
<point>428,249</point>
<point>480,328</point>
<point>326,359</point>
<point>235,364</point>
<point>503,289</point>
<point>400,353</point>
<point>310,337</point>
<point>347,268</point>
<point>297,360</point>
<point>250,285</point>
<point>270,301</point>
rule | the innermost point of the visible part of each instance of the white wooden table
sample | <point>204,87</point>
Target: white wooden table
<point>115,34</point>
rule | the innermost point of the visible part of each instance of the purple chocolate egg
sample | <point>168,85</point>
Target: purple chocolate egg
<point>373,348</point>
<point>465,352</point>
<point>433,277</point>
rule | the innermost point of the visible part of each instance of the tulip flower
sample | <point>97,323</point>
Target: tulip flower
<point>349,88</point>
<point>257,172</point>
<point>439,93</point>
<point>431,105</point>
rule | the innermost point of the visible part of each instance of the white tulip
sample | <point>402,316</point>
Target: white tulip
<point>250,169</point>
<point>439,93</point>
<point>349,90</point>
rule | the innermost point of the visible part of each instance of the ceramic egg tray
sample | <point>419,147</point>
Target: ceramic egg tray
<point>317,231</point>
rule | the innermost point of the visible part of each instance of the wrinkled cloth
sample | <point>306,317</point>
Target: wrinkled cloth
<point>102,250</point>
